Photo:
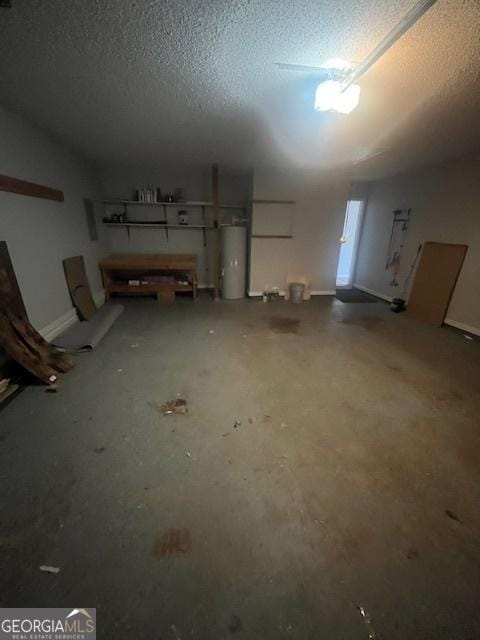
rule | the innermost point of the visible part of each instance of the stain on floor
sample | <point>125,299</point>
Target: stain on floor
<point>370,323</point>
<point>235,625</point>
<point>172,542</point>
<point>279,324</point>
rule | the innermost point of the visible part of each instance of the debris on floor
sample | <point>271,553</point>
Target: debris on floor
<point>173,629</point>
<point>99,450</point>
<point>48,569</point>
<point>452,515</point>
<point>271,295</point>
<point>171,542</point>
<point>368,623</point>
<point>237,424</point>
<point>284,325</point>
<point>465,335</point>
<point>179,405</point>
<point>189,455</point>
<point>235,624</point>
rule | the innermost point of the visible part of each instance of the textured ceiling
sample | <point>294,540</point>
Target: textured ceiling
<point>185,83</point>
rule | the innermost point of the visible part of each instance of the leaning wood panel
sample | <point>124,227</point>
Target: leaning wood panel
<point>19,351</point>
<point>49,354</point>
<point>10,295</point>
<point>25,188</point>
<point>435,280</point>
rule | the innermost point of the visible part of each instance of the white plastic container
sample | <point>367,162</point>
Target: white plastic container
<point>234,262</point>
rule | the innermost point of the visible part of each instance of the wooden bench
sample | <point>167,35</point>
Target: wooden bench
<point>119,268</point>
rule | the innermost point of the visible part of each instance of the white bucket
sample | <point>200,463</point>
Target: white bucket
<point>297,289</point>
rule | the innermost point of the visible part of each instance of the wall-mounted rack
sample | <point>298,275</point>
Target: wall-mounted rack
<point>164,224</point>
<point>189,203</point>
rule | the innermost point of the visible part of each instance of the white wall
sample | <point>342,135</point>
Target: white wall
<point>121,182</point>
<point>445,203</point>
<point>41,233</point>
<point>319,214</point>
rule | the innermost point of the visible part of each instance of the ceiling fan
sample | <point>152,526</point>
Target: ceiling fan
<point>338,91</point>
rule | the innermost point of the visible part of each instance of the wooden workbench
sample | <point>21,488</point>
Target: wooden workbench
<point>119,268</point>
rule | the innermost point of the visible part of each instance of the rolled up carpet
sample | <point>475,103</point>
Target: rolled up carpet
<point>85,336</point>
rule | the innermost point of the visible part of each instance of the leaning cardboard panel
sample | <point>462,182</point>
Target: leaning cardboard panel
<point>435,280</point>
<point>79,288</point>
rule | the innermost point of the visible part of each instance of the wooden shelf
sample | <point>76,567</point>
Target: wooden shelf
<point>150,287</point>
<point>178,205</point>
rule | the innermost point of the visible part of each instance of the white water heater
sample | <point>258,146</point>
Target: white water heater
<point>234,262</point>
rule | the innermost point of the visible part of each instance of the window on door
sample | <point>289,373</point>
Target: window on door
<point>349,243</point>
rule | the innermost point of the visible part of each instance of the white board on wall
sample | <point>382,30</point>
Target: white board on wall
<point>272,218</point>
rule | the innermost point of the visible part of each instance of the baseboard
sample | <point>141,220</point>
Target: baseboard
<point>99,298</point>
<point>58,326</point>
<point>452,323</point>
<point>259,294</point>
<point>372,292</point>
<point>463,327</point>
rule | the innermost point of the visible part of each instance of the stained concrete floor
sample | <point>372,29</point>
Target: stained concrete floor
<point>352,480</point>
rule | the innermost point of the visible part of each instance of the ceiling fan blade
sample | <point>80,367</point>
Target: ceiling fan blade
<point>302,67</point>
<point>365,155</point>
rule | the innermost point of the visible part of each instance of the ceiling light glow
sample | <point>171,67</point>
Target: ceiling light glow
<point>330,97</point>
<point>338,63</point>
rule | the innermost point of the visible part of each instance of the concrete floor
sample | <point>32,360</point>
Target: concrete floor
<point>353,479</point>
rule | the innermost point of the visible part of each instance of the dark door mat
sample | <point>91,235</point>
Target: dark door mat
<point>354,295</point>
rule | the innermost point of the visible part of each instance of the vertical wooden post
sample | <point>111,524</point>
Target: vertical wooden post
<point>216,233</point>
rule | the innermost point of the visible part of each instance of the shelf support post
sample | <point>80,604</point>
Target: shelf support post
<point>204,227</point>
<point>216,233</point>
<point>166,221</point>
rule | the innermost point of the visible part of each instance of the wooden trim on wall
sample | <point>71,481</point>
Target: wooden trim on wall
<point>216,238</point>
<point>273,201</point>
<point>24,188</point>
<point>257,236</point>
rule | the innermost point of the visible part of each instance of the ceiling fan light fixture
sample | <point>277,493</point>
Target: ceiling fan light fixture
<point>329,96</point>
<point>339,64</point>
